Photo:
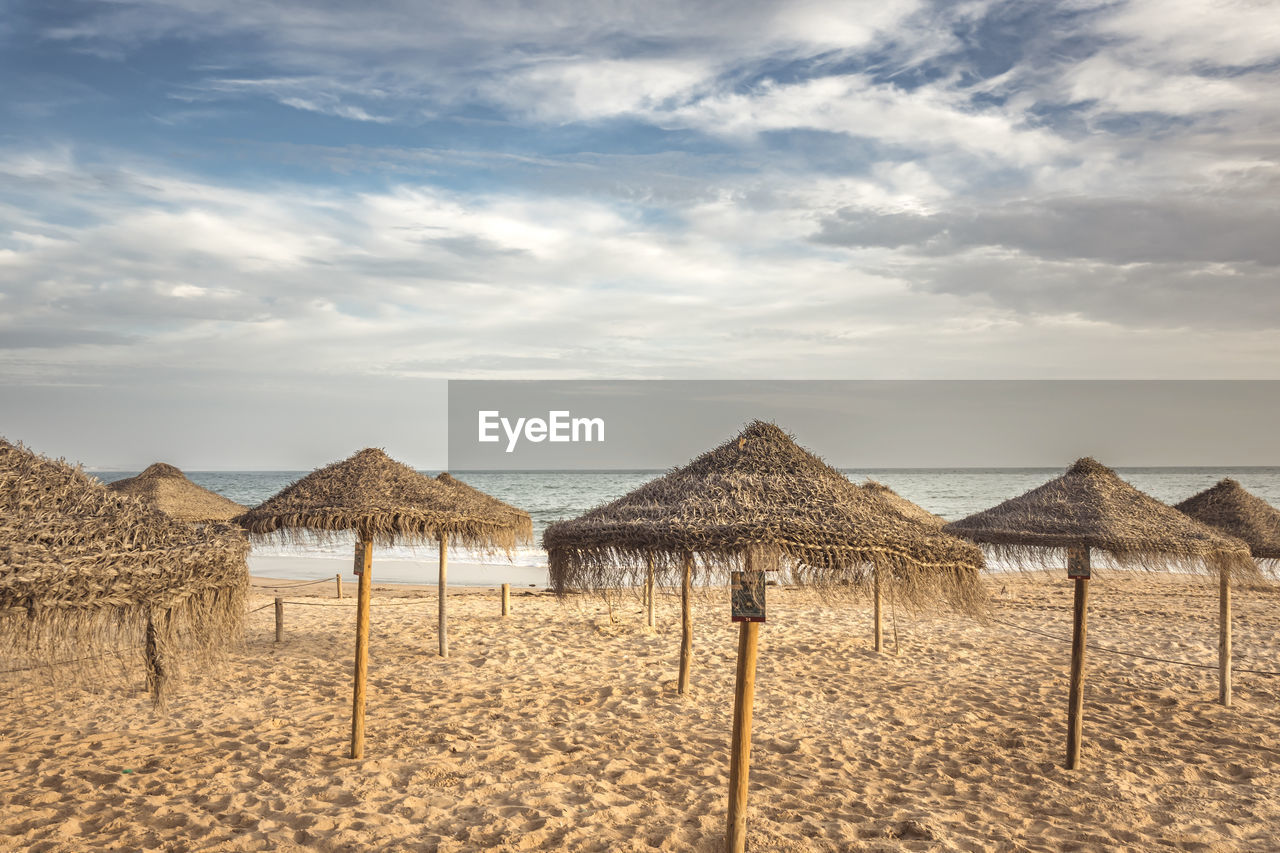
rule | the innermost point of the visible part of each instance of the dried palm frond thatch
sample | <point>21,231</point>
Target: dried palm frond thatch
<point>86,572</point>
<point>384,501</point>
<point>167,489</point>
<point>761,492</point>
<point>901,505</point>
<point>1229,507</point>
<point>1090,506</point>
<point>520,518</point>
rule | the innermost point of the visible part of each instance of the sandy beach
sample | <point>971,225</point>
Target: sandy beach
<point>557,729</point>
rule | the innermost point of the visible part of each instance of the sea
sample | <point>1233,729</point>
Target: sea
<point>550,496</point>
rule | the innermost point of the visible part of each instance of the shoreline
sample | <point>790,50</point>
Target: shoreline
<point>395,571</point>
<point>326,588</point>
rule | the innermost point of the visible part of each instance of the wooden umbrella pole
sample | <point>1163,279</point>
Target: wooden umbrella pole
<point>740,752</point>
<point>1224,636</point>
<point>365,549</point>
<point>879,631</point>
<point>893,613</point>
<point>1075,702</point>
<point>686,624</point>
<point>650,617</point>
<point>444,571</point>
<point>740,758</point>
<point>506,600</point>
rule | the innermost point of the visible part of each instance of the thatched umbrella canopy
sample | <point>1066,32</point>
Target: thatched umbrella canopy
<point>1091,507</point>
<point>913,512</point>
<point>386,502</point>
<point>901,505</point>
<point>760,493</point>
<point>168,489</point>
<point>757,501</point>
<point>523,523</point>
<point>1233,510</point>
<point>86,571</point>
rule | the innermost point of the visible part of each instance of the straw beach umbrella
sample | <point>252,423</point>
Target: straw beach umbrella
<point>1090,507</point>
<point>168,490</point>
<point>86,571</point>
<point>757,501</point>
<point>1229,507</point>
<point>386,502</point>
<point>519,518</point>
<point>901,505</point>
<point>910,510</point>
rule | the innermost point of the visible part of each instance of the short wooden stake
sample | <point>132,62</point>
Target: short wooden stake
<point>740,757</point>
<point>444,571</point>
<point>686,624</point>
<point>879,629</point>
<point>506,600</point>
<point>1224,636</point>
<point>338,579</point>
<point>1075,701</point>
<point>279,619</point>
<point>362,648</point>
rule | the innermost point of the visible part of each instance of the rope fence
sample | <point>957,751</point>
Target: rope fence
<point>354,604</point>
<point>279,603</point>
<point>295,585</point>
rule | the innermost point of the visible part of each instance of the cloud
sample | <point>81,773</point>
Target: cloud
<point>1115,230</point>
<point>1121,88</point>
<point>1222,298</point>
<point>1218,33</point>
<point>927,118</point>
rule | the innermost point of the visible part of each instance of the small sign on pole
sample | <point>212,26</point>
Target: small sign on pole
<point>359,565</point>
<point>1078,564</point>
<point>746,595</point>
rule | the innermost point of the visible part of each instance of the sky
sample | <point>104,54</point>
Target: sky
<point>263,234</point>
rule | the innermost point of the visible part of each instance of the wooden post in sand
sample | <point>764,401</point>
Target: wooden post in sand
<point>506,600</point>
<point>279,619</point>
<point>444,571</point>
<point>1079,570</point>
<point>338,579</point>
<point>740,753</point>
<point>650,616</point>
<point>1224,636</point>
<point>879,630</point>
<point>364,558</point>
<point>686,624</point>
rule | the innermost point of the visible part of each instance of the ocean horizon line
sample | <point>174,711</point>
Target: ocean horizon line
<point>1214,467</point>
